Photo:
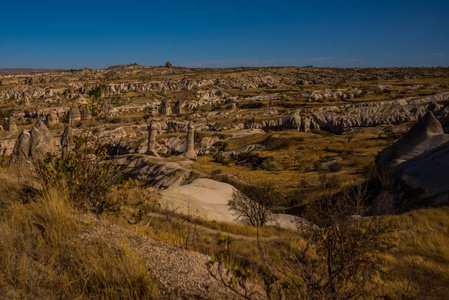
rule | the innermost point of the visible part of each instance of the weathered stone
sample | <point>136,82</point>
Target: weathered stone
<point>73,115</point>
<point>177,109</point>
<point>165,108</point>
<point>12,126</point>
<point>105,107</point>
<point>426,134</point>
<point>157,172</point>
<point>153,129</point>
<point>413,171</point>
<point>232,106</point>
<point>41,141</point>
<point>293,120</point>
<point>51,118</point>
<point>86,114</point>
<point>66,141</point>
<point>26,100</point>
<point>190,142</point>
<point>22,145</point>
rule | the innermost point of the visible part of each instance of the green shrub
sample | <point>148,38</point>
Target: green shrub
<point>90,180</point>
<point>268,165</point>
<point>243,156</point>
<point>96,91</point>
<point>4,116</point>
<point>221,160</point>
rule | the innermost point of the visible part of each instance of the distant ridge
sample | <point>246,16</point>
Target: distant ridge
<point>25,70</point>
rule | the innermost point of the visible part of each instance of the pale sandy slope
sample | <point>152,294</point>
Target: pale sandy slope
<point>208,199</point>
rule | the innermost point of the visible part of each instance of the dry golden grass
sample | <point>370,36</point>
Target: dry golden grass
<point>416,268</point>
<point>301,159</point>
<point>421,258</point>
<point>42,255</point>
<point>202,236</point>
<point>239,142</point>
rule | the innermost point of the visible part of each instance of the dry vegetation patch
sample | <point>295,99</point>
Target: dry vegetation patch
<point>421,259</point>
<point>42,255</point>
<point>49,250</point>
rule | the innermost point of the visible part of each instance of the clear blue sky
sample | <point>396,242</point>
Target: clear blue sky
<point>208,33</point>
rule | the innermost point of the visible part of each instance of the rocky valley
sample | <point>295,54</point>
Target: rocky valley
<point>188,139</point>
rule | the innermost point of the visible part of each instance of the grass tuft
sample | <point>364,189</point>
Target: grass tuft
<point>42,254</point>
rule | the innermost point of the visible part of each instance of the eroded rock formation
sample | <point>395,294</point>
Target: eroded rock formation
<point>165,108</point>
<point>153,129</point>
<point>73,115</point>
<point>33,146</point>
<point>66,141</point>
<point>413,171</point>
<point>190,142</point>
<point>51,119</point>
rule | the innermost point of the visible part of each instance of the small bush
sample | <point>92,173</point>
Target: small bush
<point>296,198</point>
<point>335,167</point>
<point>243,156</point>
<point>268,165</point>
<point>91,180</point>
<point>276,143</point>
<point>317,166</point>
<point>43,255</point>
<point>221,160</point>
<point>96,91</point>
<point>329,182</point>
<point>253,203</point>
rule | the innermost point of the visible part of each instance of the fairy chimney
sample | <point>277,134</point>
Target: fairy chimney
<point>190,142</point>
<point>73,115</point>
<point>12,127</point>
<point>66,141</point>
<point>51,119</point>
<point>153,128</point>
<point>177,109</point>
<point>164,108</point>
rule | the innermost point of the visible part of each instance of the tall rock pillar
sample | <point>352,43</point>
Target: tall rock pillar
<point>66,141</point>
<point>190,142</point>
<point>153,128</point>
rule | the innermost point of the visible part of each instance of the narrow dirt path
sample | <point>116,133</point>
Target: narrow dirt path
<point>216,231</point>
<point>181,274</point>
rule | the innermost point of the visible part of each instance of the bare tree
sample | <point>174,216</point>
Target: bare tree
<point>336,255</point>
<point>253,204</point>
<point>339,257</point>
